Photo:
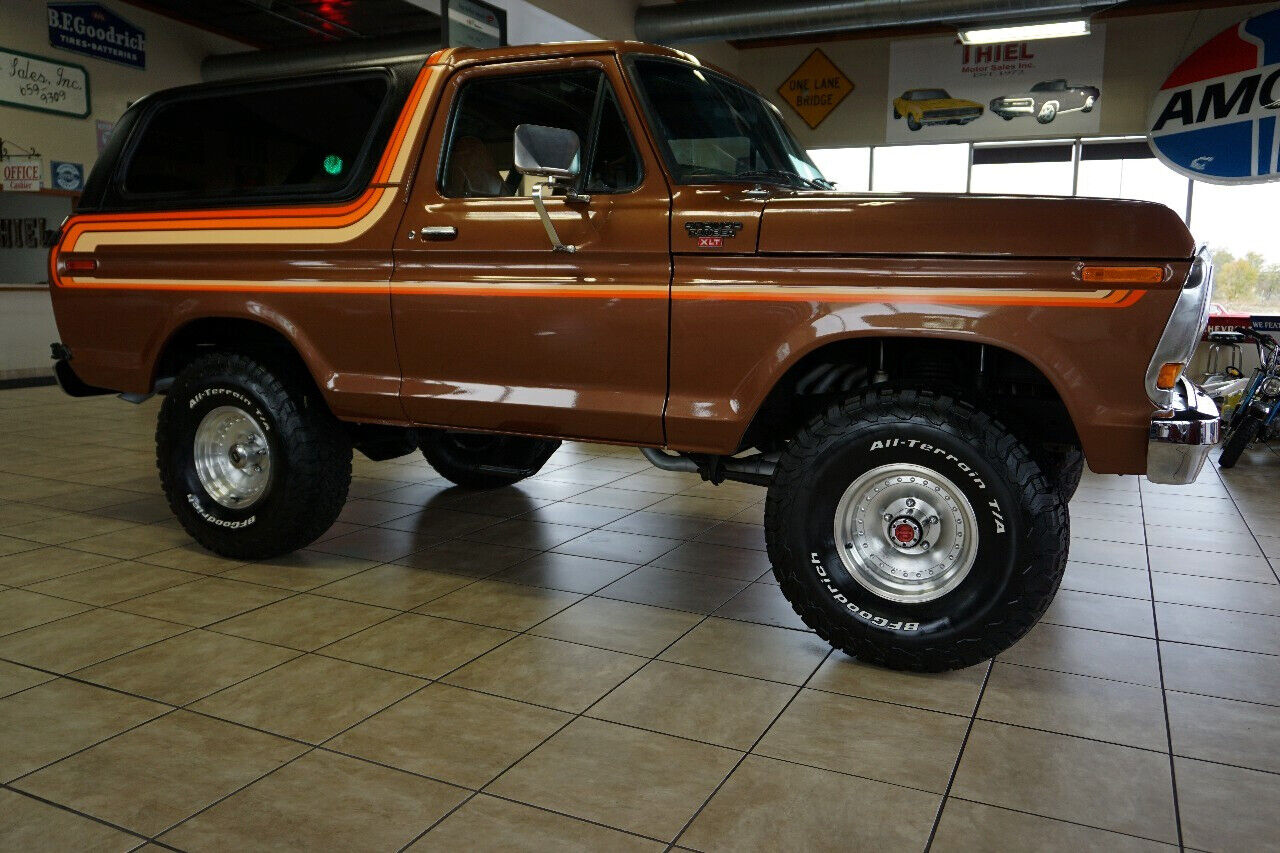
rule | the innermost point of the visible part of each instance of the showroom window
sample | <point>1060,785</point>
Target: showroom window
<point>1239,223</point>
<point>1126,169</point>
<point>1040,169</point>
<point>921,168</point>
<point>848,168</point>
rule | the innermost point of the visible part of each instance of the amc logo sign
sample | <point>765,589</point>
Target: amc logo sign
<point>1215,118</point>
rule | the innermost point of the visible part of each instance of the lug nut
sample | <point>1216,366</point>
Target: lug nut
<point>924,546</point>
<point>933,519</point>
<point>911,502</point>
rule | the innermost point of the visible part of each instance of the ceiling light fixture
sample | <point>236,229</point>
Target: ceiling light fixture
<point>1026,32</point>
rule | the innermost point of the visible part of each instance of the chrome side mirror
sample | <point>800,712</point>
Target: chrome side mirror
<point>547,152</point>
<point>551,153</point>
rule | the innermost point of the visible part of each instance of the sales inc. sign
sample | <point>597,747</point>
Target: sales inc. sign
<point>41,83</point>
<point>1215,118</point>
<point>94,30</point>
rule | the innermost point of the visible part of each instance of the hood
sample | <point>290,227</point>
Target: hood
<point>1017,226</point>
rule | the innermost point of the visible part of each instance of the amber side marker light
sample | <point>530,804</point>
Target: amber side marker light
<point>1169,374</point>
<point>1123,275</point>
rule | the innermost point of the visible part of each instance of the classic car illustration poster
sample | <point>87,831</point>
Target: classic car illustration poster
<point>943,91</point>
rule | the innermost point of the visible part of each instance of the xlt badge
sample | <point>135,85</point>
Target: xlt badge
<point>711,235</point>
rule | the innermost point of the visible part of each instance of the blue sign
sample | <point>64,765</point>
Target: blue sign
<point>67,176</point>
<point>1215,117</point>
<point>96,31</point>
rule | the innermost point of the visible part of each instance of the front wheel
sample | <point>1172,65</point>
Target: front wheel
<point>252,462</point>
<point>913,123</point>
<point>1239,440</point>
<point>484,460</point>
<point>1047,113</point>
<point>913,531</point>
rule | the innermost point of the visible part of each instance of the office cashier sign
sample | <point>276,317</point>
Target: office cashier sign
<point>1215,117</point>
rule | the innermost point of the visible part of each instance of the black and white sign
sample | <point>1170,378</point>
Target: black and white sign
<point>67,176</point>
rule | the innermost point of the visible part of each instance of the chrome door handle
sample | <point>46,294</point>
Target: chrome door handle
<point>438,232</point>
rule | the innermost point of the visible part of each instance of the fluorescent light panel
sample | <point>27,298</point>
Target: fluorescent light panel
<point>1026,32</point>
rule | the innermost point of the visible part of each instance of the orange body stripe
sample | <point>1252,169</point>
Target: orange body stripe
<point>1114,299</point>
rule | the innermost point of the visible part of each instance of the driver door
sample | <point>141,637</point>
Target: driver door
<point>495,330</point>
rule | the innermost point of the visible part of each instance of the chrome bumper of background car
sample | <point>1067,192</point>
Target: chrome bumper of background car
<point>1178,444</point>
<point>1013,108</point>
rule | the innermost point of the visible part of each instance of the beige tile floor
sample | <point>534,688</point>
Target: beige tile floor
<point>598,659</point>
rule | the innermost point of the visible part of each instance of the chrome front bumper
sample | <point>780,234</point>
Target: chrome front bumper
<point>1180,441</point>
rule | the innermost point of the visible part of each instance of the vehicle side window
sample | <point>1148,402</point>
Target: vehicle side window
<point>478,162</point>
<point>310,139</point>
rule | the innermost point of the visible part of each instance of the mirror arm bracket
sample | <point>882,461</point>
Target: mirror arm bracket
<point>540,204</point>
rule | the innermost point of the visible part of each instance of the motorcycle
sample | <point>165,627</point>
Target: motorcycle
<point>1250,405</point>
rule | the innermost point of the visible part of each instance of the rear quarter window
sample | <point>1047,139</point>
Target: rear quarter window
<point>310,139</point>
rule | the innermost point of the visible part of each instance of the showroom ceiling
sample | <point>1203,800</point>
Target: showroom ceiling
<point>301,23</point>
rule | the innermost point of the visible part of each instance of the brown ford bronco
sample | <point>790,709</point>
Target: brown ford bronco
<point>486,252</point>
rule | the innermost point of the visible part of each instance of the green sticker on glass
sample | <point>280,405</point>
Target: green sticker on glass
<point>333,164</point>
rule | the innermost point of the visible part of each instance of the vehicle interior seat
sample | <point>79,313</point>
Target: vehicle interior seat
<point>472,171</point>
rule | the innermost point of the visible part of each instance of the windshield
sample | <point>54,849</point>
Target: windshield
<point>928,95</point>
<point>712,129</point>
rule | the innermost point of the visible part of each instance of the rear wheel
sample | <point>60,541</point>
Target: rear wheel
<point>913,531</point>
<point>252,462</point>
<point>484,460</point>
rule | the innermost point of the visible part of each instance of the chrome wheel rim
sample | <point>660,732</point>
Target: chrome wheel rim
<point>232,457</point>
<point>906,533</point>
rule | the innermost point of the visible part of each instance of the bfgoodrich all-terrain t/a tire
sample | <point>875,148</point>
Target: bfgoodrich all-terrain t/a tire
<point>913,531</point>
<point>252,462</point>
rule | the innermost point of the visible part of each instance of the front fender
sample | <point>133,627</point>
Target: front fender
<point>734,336</point>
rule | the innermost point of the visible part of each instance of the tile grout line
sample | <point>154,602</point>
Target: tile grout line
<point>955,768</point>
<point>1164,696</point>
<point>749,752</point>
<point>567,723</point>
<point>142,839</point>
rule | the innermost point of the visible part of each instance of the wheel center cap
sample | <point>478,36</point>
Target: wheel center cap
<point>905,532</point>
<point>237,455</point>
